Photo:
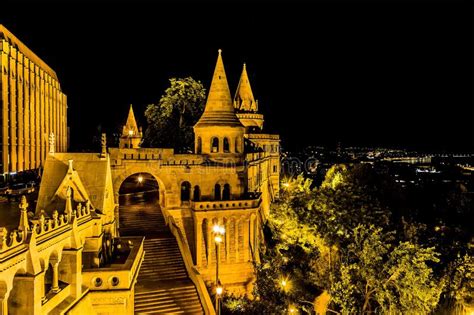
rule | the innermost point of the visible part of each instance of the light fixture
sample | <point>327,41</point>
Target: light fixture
<point>140,179</point>
<point>130,132</point>
<point>218,239</point>
<point>219,289</point>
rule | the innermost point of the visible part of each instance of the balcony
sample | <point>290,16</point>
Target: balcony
<point>247,201</point>
<point>121,272</point>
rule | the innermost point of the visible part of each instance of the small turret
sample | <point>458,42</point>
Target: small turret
<point>219,131</point>
<point>131,135</point>
<point>246,106</point>
<point>243,99</point>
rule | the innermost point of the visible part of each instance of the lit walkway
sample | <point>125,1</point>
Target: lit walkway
<point>163,285</point>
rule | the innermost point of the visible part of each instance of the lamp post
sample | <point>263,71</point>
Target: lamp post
<point>219,232</point>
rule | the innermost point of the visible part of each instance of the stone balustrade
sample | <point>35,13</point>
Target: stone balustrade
<point>42,226</point>
<point>227,204</point>
<point>117,276</point>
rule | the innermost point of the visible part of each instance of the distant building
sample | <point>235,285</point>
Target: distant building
<point>32,107</point>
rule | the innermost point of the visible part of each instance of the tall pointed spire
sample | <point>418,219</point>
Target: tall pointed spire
<point>131,134</point>
<point>130,127</point>
<point>244,100</point>
<point>219,109</point>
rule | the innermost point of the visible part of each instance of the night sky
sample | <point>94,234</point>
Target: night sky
<point>395,74</point>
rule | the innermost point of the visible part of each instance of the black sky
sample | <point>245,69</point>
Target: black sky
<point>362,73</point>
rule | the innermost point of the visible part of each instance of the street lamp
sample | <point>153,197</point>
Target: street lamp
<point>219,232</point>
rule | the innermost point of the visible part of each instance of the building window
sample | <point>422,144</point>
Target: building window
<point>226,145</point>
<point>197,193</point>
<point>275,169</point>
<point>185,191</point>
<point>199,146</point>
<point>217,192</point>
<point>226,192</point>
<point>215,145</point>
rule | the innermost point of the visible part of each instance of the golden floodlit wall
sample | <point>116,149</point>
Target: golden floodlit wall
<point>32,107</point>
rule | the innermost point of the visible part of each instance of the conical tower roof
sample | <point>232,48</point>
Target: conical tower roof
<point>219,110</point>
<point>131,123</point>
<point>244,100</point>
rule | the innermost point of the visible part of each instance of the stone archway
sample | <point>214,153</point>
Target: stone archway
<point>140,205</point>
<point>118,178</point>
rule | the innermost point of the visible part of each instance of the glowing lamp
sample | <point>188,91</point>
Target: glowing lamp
<point>140,179</point>
<point>130,132</point>
<point>219,290</point>
<point>218,239</point>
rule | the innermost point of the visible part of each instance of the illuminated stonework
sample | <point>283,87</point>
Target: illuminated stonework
<point>32,107</point>
<point>230,180</point>
<point>131,135</point>
<point>68,256</point>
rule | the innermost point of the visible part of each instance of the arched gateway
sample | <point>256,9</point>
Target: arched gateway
<point>223,183</point>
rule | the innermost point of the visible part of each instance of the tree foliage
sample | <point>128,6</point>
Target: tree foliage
<point>171,120</point>
<point>342,238</point>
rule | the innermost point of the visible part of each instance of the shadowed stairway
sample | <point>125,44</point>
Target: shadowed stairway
<point>163,285</point>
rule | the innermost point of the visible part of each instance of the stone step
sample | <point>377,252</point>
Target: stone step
<point>163,285</point>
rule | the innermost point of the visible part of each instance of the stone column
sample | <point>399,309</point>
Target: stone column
<point>246,246</point>
<point>198,237</point>
<point>210,241</point>
<point>227,240</point>
<point>4,293</point>
<point>55,284</point>
<point>236,239</point>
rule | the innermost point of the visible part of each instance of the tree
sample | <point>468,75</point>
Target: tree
<point>378,275</point>
<point>171,121</point>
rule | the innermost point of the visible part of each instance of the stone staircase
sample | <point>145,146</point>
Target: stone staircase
<point>163,285</point>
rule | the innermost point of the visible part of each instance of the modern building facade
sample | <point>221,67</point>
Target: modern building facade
<point>33,107</point>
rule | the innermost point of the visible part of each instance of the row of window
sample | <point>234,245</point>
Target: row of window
<point>220,192</point>
<point>215,147</point>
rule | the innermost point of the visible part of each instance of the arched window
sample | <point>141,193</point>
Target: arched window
<point>197,193</point>
<point>199,146</point>
<point>226,145</point>
<point>226,192</point>
<point>236,143</point>
<point>217,192</point>
<point>215,145</point>
<point>185,191</point>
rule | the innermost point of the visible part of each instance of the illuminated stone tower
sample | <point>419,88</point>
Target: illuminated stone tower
<point>245,104</point>
<point>219,132</point>
<point>131,134</point>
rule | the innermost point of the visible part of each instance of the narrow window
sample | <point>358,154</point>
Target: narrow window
<point>217,192</point>
<point>199,146</point>
<point>185,191</point>
<point>215,145</point>
<point>226,145</point>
